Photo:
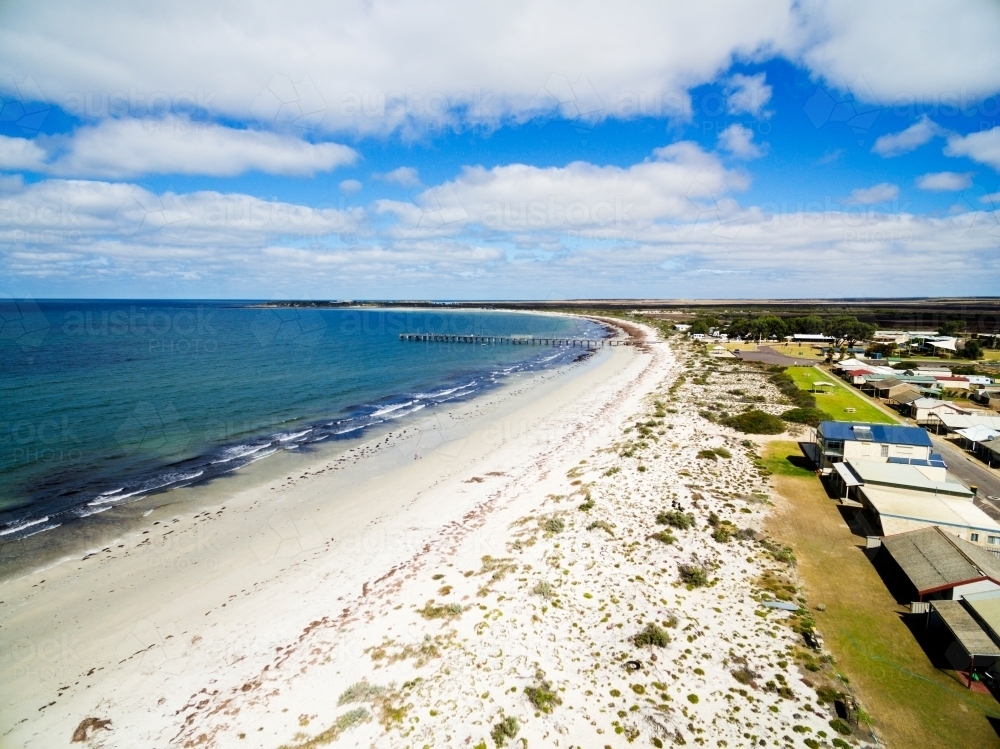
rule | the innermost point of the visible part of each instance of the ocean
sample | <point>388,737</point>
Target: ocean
<point>107,402</point>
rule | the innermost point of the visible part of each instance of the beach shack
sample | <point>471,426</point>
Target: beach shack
<point>837,441</point>
<point>931,564</point>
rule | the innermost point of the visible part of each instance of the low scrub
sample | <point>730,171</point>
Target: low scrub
<point>784,382</point>
<point>755,421</point>
<point>810,416</point>
<point>652,636</point>
<point>693,575</point>
<point>664,537</point>
<point>444,611</point>
<point>543,697</point>
<point>507,728</point>
<point>676,519</point>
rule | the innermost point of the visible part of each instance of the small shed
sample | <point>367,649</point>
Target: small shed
<point>973,649</point>
<point>935,565</point>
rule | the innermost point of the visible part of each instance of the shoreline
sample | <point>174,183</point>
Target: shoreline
<point>18,553</point>
<point>272,527</point>
<point>498,587</point>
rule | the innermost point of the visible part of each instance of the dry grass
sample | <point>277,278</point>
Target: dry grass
<point>912,702</point>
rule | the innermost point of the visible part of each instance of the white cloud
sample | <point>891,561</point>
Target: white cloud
<point>944,181</point>
<point>748,94</point>
<point>684,232</point>
<point>373,67</point>
<point>907,140</point>
<point>21,154</point>
<point>946,51</point>
<point>517,198</point>
<point>879,193</point>
<point>983,147</point>
<point>175,145</point>
<point>405,176</point>
<point>350,186</point>
<point>738,140</point>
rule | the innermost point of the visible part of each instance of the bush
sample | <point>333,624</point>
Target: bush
<point>810,416</point>
<point>784,382</point>
<point>755,422</point>
<point>543,697</point>
<point>555,525</point>
<point>693,575</point>
<point>507,728</point>
<point>444,611</point>
<point>707,455</point>
<point>676,519</point>
<point>652,636</point>
<point>664,537</point>
<point>840,726</point>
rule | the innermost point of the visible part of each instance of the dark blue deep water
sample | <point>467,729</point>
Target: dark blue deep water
<point>104,402</point>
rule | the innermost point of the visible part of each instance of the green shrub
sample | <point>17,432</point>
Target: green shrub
<point>555,525</point>
<point>664,537</point>
<point>693,575</point>
<point>543,697</point>
<point>652,636</point>
<point>507,728</point>
<point>587,505</point>
<point>784,382</point>
<point>723,452</point>
<point>693,699</point>
<point>840,726</point>
<point>755,421</point>
<point>603,525</point>
<point>676,519</point>
<point>826,695</point>
<point>810,416</point>
<point>707,454</point>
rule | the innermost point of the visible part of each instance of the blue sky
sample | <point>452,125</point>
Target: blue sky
<point>539,150</point>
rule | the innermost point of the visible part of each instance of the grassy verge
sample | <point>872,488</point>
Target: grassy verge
<point>912,702</point>
<point>785,459</point>
<point>842,397</point>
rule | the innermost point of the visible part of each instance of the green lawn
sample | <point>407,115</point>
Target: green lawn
<point>785,459</point>
<point>840,398</point>
<point>913,703</point>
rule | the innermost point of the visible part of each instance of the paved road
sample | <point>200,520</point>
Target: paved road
<point>972,471</point>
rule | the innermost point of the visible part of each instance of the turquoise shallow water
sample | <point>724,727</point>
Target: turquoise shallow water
<point>106,402</point>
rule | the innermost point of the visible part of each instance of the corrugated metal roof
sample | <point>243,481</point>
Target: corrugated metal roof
<point>899,510</point>
<point>934,560</point>
<point>906,477</point>
<point>965,629</point>
<point>986,606</point>
<point>890,433</point>
<point>845,473</point>
<point>963,421</point>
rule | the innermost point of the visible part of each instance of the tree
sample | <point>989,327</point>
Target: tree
<point>972,349</point>
<point>811,325</point>
<point>739,328</point>
<point>767,326</point>
<point>698,326</point>
<point>848,328</point>
<point>952,327</point>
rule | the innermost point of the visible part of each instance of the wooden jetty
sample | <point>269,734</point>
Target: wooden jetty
<point>516,340</point>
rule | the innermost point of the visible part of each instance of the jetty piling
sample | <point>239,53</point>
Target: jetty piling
<point>515,340</point>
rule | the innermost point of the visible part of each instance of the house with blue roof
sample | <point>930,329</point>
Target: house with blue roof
<point>837,441</point>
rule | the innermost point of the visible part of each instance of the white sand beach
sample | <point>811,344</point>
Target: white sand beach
<point>374,599</point>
